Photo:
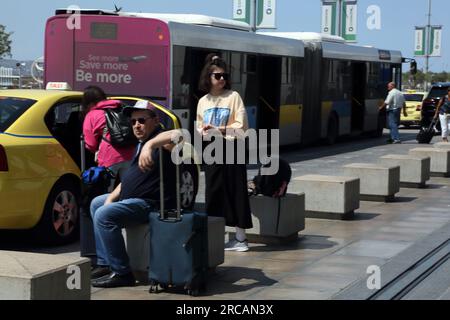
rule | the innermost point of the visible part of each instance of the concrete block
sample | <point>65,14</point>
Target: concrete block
<point>414,170</point>
<point>440,159</point>
<point>32,276</point>
<point>137,243</point>
<point>275,220</point>
<point>442,145</point>
<point>377,182</point>
<point>329,196</point>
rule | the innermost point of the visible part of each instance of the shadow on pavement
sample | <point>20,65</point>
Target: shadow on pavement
<point>404,199</point>
<point>304,242</point>
<point>22,240</point>
<point>237,279</point>
<point>361,216</point>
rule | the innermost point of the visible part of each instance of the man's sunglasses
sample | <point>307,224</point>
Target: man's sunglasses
<point>219,75</point>
<point>140,120</point>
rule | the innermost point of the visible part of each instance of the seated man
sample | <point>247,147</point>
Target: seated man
<point>134,198</point>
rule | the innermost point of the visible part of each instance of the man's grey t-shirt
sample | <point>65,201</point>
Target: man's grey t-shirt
<point>395,100</point>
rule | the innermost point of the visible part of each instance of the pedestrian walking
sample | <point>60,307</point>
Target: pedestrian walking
<point>443,111</point>
<point>394,104</point>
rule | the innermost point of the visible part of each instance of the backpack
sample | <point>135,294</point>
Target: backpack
<point>272,185</point>
<point>94,182</point>
<point>119,127</point>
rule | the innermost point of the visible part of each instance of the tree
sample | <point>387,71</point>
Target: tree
<point>5,42</point>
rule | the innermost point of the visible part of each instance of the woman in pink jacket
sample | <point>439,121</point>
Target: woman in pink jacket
<point>94,105</point>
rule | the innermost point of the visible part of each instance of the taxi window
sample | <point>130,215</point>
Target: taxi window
<point>413,97</point>
<point>11,109</point>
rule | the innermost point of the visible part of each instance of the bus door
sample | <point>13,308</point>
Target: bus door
<point>187,66</point>
<point>269,82</point>
<point>359,78</point>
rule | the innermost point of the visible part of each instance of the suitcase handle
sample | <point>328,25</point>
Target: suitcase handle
<point>82,154</point>
<point>161,187</point>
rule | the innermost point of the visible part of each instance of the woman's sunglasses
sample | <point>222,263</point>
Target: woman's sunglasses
<point>140,120</point>
<point>219,75</point>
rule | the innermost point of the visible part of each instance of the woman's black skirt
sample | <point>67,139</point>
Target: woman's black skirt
<point>226,194</point>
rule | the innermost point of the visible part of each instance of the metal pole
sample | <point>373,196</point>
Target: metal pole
<point>339,8</point>
<point>428,46</point>
<point>20,77</point>
<point>254,16</point>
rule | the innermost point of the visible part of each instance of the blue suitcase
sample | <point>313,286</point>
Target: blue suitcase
<point>178,247</point>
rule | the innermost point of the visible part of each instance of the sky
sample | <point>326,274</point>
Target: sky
<point>27,20</point>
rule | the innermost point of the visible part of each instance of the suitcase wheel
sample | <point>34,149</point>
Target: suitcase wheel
<point>153,287</point>
<point>193,292</point>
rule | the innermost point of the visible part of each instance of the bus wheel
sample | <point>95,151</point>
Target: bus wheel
<point>333,130</point>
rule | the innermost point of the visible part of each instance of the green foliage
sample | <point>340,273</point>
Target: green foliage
<point>5,42</point>
<point>412,81</point>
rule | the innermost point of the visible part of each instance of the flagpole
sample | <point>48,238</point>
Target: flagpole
<point>428,46</point>
<point>254,22</point>
<point>340,14</point>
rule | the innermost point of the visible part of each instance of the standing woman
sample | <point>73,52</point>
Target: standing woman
<point>226,184</point>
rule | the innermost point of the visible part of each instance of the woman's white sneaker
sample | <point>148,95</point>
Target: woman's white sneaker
<point>235,245</point>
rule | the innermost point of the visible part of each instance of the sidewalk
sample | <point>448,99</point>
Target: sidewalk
<point>329,255</point>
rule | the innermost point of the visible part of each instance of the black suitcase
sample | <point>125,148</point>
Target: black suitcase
<point>426,133</point>
<point>178,247</point>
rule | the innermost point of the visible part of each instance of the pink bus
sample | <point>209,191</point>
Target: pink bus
<point>310,86</point>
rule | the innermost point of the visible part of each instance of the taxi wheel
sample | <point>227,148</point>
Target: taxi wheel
<point>60,220</point>
<point>188,185</point>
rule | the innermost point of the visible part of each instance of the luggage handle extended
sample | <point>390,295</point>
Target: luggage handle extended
<point>161,190</point>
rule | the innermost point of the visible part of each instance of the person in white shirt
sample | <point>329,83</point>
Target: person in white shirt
<point>394,104</point>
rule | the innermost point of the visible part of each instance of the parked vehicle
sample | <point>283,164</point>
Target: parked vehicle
<point>437,91</point>
<point>413,108</point>
<point>40,162</point>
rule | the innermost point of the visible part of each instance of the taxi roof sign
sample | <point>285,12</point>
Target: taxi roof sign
<point>58,86</point>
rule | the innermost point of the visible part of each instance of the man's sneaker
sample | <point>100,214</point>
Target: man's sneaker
<point>397,141</point>
<point>389,141</point>
<point>235,245</point>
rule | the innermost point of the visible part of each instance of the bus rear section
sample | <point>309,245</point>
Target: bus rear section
<point>122,55</point>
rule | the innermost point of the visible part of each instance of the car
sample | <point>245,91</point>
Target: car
<point>413,101</point>
<point>40,162</point>
<point>437,91</point>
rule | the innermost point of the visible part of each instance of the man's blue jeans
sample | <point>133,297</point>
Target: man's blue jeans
<point>108,223</point>
<point>394,121</point>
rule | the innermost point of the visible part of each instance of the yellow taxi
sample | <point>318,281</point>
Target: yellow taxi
<point>413,107</point>
<point>40,162</point>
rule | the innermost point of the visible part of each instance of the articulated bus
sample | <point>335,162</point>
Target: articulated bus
<point>310,86</point>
